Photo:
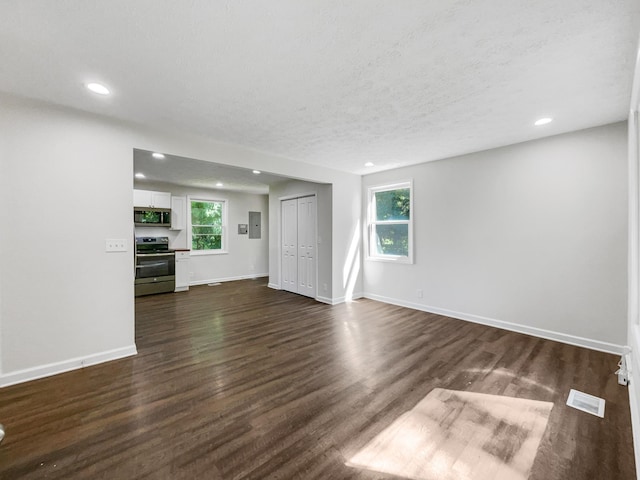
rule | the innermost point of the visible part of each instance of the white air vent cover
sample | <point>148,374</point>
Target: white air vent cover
<point>586,403</point>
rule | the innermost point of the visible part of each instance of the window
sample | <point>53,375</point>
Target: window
<point>208,225</point>
<point>390,223</point>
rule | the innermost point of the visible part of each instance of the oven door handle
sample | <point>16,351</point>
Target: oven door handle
<point>151,265</point>
<point>172,254</point>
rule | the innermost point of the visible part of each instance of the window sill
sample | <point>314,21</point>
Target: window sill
<point>392,259</point>
<point>208,252</point>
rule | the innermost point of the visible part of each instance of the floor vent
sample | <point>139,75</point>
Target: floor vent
<point>213,284</point>
<point>586,403</point>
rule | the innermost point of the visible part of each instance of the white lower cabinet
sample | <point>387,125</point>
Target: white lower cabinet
<point>182,271</point>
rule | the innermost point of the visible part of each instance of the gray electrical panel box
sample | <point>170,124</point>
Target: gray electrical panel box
<point>255,224</point>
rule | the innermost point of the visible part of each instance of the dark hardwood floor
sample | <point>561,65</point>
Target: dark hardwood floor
<point>239,381</point>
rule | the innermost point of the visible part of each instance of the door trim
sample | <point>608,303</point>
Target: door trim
<point>298,195</point>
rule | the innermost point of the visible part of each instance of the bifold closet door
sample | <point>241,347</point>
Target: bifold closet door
<point>298,256</point>
<point>290,245</point>
<point>307,246</point>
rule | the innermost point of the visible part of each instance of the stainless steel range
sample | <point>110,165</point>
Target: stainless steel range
<point>155,266</point>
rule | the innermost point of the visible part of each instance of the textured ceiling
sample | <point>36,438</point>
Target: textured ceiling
<point>329,82</point>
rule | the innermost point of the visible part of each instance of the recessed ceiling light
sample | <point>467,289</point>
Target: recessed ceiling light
<point>98,88</point>
<point>139,175</point>
<point>257,172</point>
<point>158,156</point>
<point>543,121</point>
<point>368,164</point>
<point>219,184</point>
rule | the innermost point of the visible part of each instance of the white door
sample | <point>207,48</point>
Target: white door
<point>307,246</point>
<point>290,245</point>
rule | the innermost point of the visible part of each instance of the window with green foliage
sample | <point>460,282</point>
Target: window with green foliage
<point>390,224</point>
<point>207,225</point>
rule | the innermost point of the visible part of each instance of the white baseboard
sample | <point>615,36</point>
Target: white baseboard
<point>228,279</point>
<point>514,327</point>
<point>42,371</point>
<point>327,300</point>
<point>322,299</point>
<point>338,300</point>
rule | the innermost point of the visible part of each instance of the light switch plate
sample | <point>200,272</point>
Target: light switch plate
<point>116,245</point>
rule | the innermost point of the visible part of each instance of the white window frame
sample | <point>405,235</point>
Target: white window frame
<point>372,222</point>
<point>223,244</point>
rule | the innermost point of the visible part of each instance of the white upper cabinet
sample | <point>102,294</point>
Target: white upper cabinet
<point>141,198</point>
<point>149,199</point>
<point>178,213</point>
<point>161,199</point>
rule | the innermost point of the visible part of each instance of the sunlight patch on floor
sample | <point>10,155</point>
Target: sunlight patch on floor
<point>452,435</point>
<point>489,373</point>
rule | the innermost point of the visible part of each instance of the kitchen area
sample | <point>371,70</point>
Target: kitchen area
<point>159,268</point>
<point>195,222</point>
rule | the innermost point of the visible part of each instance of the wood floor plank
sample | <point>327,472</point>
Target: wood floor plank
<point>239,381</point>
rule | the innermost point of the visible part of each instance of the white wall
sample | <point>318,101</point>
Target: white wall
<point>324,216</point>
<point>346,228</point>
<point>532,234</point>
<point>71,302</point>
<point>245,257</point>
<point>65,187</point>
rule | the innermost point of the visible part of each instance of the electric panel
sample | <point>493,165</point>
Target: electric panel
<point>255,224</point>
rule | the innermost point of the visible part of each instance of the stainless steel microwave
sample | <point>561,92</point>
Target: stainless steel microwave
<point>151,217</point>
